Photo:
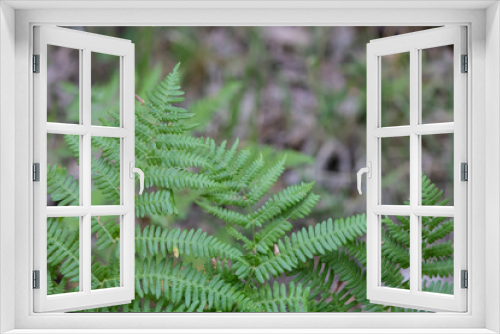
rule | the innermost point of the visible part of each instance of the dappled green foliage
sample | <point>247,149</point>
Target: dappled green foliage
<point>269,266</point>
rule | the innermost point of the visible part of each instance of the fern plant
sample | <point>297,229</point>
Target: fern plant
<point>270,265</point>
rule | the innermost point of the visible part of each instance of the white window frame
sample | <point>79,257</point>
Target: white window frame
<point>413,44</point>
<point>483,21</point>
<point>85,43</point>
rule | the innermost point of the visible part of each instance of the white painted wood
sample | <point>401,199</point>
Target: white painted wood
<point>257,331</point>
<point>7,167</point>
<point>77,129</point>
<point>95,210</point>
<point>471,322</point>
<point>415,170</point>
<point>67,211</point>
<point>94,42</point>
<point>433,129</point>
<point>419,210</point>
<point>248,4</point>
<point>413,43</point>
<point>492,163</point>
<point>103,131</point>
<point>85,176</point>
<point>127,227</point>
<point>86,43</point>
<point>392,131</point>
<point>460,155</point>
<point>418,129</point>
<point>372,185</point>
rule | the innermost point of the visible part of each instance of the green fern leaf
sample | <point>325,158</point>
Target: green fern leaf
<point>63,247</point>
<point>177,283</point>
<point>173,178</point>
<point>443,268</point>
<point>155,240</point>
<point>266,182</point>
<point>281,299</point>
<point>62,188</point>
<point>107,231</point>
<point>155,203</point>
<point>106,178</point>
<point>303,245</point>
<point>269,235</point>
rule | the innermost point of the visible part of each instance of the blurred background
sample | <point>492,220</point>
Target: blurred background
<point>295,90</point>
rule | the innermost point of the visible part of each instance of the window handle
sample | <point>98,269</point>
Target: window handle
<point>134,170</point>
<point>368,171</point>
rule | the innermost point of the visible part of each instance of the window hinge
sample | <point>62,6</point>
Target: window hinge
<point>36,279</point>
<point>36,172</point>
<point>465,64</point>
<point>464,171</point>
<point>465,279</point>
<point>36,63</point>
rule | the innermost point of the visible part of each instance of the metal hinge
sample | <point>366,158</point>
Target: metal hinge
<point>465,64</point>
<point>464,171</point>
<point>36,172</point>
<point>465,279</point>
<point>36,279</point>
<point>36,63</point>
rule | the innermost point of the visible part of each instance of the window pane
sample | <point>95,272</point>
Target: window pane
<point>395,89</point>
<point>105,252</point>
<point>63,170</point>
<point>395,251</point>
<point>63,84</point>
<point>105,89</point>
<point>105,171</point>
<point>437,254</point>
<point>437,84</point>
<point>437,169</point>
<point>395,167</point>
<point>63,259</point>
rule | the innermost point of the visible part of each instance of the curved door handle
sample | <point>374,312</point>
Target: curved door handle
<point>368,171</point>
<point>134,170</point>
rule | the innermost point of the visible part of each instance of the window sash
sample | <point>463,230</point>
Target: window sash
<point>86,43</point>
<point>413,42</point>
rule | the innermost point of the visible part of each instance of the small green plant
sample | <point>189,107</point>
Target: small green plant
<point>269,266</point>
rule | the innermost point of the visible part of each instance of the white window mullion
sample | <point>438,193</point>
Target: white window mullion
<point>102,131</point>
<point>392,131</point>
<point>66,211</point>
<point>67,129</point>
<point>85,166</point>
<point>420,129</point>
<point>401,210</point>
<point>415,179</point>
<point>82,103</point>
<point>80,130</point>
<point>434,129</point>
<point>80,211</point>
<point>421,210</point>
